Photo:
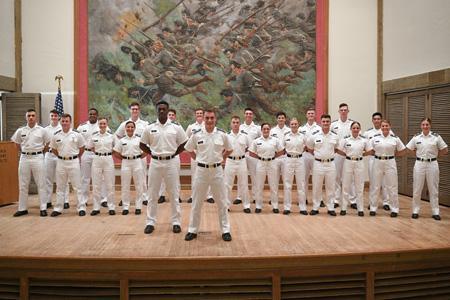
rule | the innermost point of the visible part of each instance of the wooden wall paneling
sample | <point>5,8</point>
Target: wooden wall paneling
<point>370,285</point>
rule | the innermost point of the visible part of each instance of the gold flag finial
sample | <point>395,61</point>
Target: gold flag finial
<point>59,78</point>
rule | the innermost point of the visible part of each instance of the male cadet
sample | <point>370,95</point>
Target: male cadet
<point>135,113</point>
<point>50,162</point>
<point>322,143</point>
<point>279,131</point>
<point>208,147</point>
<point>31,141</point>
<point>165,141</point>
<point>236,164</point>
<point>342,128</point>
<point>254,132</point>
<point>68,145</point>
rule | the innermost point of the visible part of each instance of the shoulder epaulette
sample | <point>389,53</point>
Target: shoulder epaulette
<point>362,136</point>
<point>377,134</point>
<point>58,131</point>
<point>194,131</point>
<point>347,136</point>
<point>302,131</point>
<point>350,119</point>
<point>221,130</point>
<point>242,131</point>
<point>176,123</point>
<point>317,131</point>
<point>109,131</point>
<point>369,129</point>
<point>151,123</point>
<point>435,134</point>
<point>417,134</point>
<point>334,121</point>
<point>287,132</point>
<point>393,135</point>
<point>73,129</point>
<point>95,132</point>
<point>333,132</point>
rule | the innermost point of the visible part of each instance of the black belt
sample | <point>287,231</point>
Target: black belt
<point>208,166</point>
<point>32,153</point>
<point>426,159</point>
<point>353,158</point>
<point>163,157</point>
<point>68,157</point>
<point>266,159</point>
<point>103,154</point>
<point>293,155</point>
<point>236,157</point>
<point>384,157</point>
<point>325,160</point>
<point>132,157</point>
<point>88,149</point>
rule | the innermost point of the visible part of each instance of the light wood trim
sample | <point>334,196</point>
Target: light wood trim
<point>276,286</point>
<point>322,28</point>
<point>420,81</point>
<point>124,292</point>
<point>370,285</point>
<point>379,54</point>
<point>24,287</point>
<point>18,44</point>
<point>7,83</point>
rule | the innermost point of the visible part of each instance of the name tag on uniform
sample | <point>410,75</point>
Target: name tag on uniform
<point>419,143</point>
<point>200,142</point>
<point>23,135</point>
<point>288,140</point>
<point>124,144</point>
<point>154,130</point>
<point>259,144</point>
<point>95,141</point>
<point>348,145</point>
<point>318,141</point>
<point>58,141</point>
<point>376,141</point>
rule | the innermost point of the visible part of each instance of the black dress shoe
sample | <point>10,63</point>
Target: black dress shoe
<point>322,204</point>
<point>20,213</point>
<point>368,207</point>
<point>95,212</point>
<point>286,212</point>
<point>120,203</point>
<point>104,204</point>
<point>112,212</point>
<point>49,205</point>
<point>436,217</point>
<point>372,214</point>
<point>149,229</point>
<point>81,213</point>
<point>55,214</point>
<point>343,213</point>
<point>332,213</point>
<point>394,215</point>
<point>190,236</point>
<point>179,200</point>
<point>254,201</point>
<point>145,202</point>
<point>258,210</point>
<point>415,216</point>
<point>137,211</point>
<point>210,200</point>
<point>247,210</point>
<point>386,207</point>
<point>226,237</point>
<point>304,212</point>
<point>66,205</point>
<point>275,211</point>
<point>336,205</point>
<point>361,213</point>
<point>162,199</point>
<point>314,212</point>
<point>43,213</point>
<point>353,205</point>
<point>189,200</point>
<point>306,201</point>
<point>176,228</point>
<point>237,201</point>
<point>124,212</point>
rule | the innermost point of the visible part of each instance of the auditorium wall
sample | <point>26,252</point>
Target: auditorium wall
<point>7,59</point>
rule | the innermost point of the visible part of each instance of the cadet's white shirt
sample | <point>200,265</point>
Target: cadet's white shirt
<point>323,144</point>
<point>309,129</point>
<point>239,142</point>
<point>279,132</point>
<point>193,128</point>
<point>67,143</point>
<point>371,132</point>
<point>342,129</point>
<point>139,124</point>
<point>51,130</point>
<point>31,139</point>
<point>294,143</point>
<point>163,139</point>
<point>102,142</point>
<point>354,147</point>
<point>209,146</point>
<point>253,130</point>
<point>427,146</point>
<point>266,147</point>
<point>128,146</point>
<point>386,146</point>
<point>87,129</point>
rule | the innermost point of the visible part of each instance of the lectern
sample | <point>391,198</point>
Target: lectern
<point>9,182</point>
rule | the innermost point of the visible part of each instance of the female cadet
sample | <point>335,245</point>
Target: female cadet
<point>353,148</point>
<point>266,148</point>
<point>385,146</point>
<point>127,150</point>
<point>294,142</point>
<point>427,147</point>
<point>102,143</point>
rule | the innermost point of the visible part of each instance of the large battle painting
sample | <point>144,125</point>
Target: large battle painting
<point>219,54</point>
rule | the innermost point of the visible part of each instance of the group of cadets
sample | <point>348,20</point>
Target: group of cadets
<point>331,152</point>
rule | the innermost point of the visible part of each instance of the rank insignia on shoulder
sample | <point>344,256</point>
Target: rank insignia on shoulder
<point>57,132</point>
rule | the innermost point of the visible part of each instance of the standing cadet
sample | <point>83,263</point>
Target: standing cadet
<point>236,164</point>
<point>323,144</point>
<point>31,141</point>
<point>50,161</point>
<point>165,141</point>
<point>294,143</point>
<point>427,146</point>
<point>68,145</point>
<point>208,147</point>
<point>279,131</point>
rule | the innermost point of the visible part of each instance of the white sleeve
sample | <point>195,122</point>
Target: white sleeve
<point>412,144</point>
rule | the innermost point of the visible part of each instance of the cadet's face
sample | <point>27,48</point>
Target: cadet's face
<point>355,130</point>
<point>311,115</point>
<point>281,120</point>
<point>129,128</point>
<point>265,131</point>
<point>343,112</point>
<point>325,123</point>
<point>248,116</point>
<point>199,116</point>
<point>385,128</point>
<point>102,124</point>
<point>65,123</point>
<point>235,123</point>
<point>376,121</point>
<point>426,126</point>
<point>135,111</point>
<point>54,118</point>
<point>31,118</point>
<point>294,126</point>
<point>210,120</point>
<point>172,116</point>
<point>162,111</point>
<point>93,116</point>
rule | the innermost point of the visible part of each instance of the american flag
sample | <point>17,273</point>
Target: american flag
<point>59,102</point>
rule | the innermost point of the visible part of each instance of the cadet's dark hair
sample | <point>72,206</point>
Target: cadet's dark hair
<point>325,116</point>
<point>130,122</point>
<point>134,104</point>
<point>280,113</point>
<point>54,111</point>
<point>355,122</point>
<point>94,109</point>
<point>377,114</point>
<point>31,110</point>
<point>172,110</point>
<point>162,102</point>
<point>249,108</point>
<point>66,116</point>
<point>235,117</point>
<point>426,119</point>
<point>343,104</point>
<point>264,124</point>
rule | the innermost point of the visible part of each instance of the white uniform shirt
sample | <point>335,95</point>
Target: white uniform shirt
<point>163,139</point>
<point>266,147</point>
<point>87,129</point>
<point>67,144</point>
<point>309,129</point>
<point>102,142</point>
<point>323,144</point>
<point>209,146</point>
<point>239,142</point>
<point>193,128</point>
<point>51,130</point>
<point>342,129</point>
<point>294,143</point>
<point>427,146</point>
<point>128,146</point>
<point>139,124</point>
<point>279,132</point>
<point>253,130</point>
<point>386,146</point>
<point>31,139</point>
<point>354,147</point>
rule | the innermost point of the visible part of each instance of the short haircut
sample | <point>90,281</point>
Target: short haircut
<point>281,113</point>
<point>54,111</point>
<point>355,122</point>
<point>199,108</point>
<point>264,124</point>
<point>134,104</point>
<point>426,119</point>
<point>235,117</point>
<point>311,109</point>
<point>343,104</point>
<point>130,122</point>
<point>66,116</point>
<point>294,119</point>
<point>94,109</point>
<point>103,118</point>
<point>248,108</point>
<point>377,114</point>
<point>162,102</point>
<point>325,116</point>
<point>386,121</point>
<point>172,110</point>
<point>209,111</point>
<point>31,110</point>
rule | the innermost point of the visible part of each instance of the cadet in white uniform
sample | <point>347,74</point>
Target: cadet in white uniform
<point>31,141</point>
<point>266,148</point>
<point>294,143</point>
<point>236,164</point>
<point>208,147</point>
<point>128,151</point>
<point>385,147</point>
<point>68,145</point>
<point>323,144</point>
<point>254,132</point>
<point>353,148</point>
<point>102,144</point>
<point>427,147</point>
<point>279,131</point>
<point>50,161</point>
<point>165,141</point>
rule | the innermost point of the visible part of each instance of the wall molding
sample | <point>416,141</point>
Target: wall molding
<point>419,81</point>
